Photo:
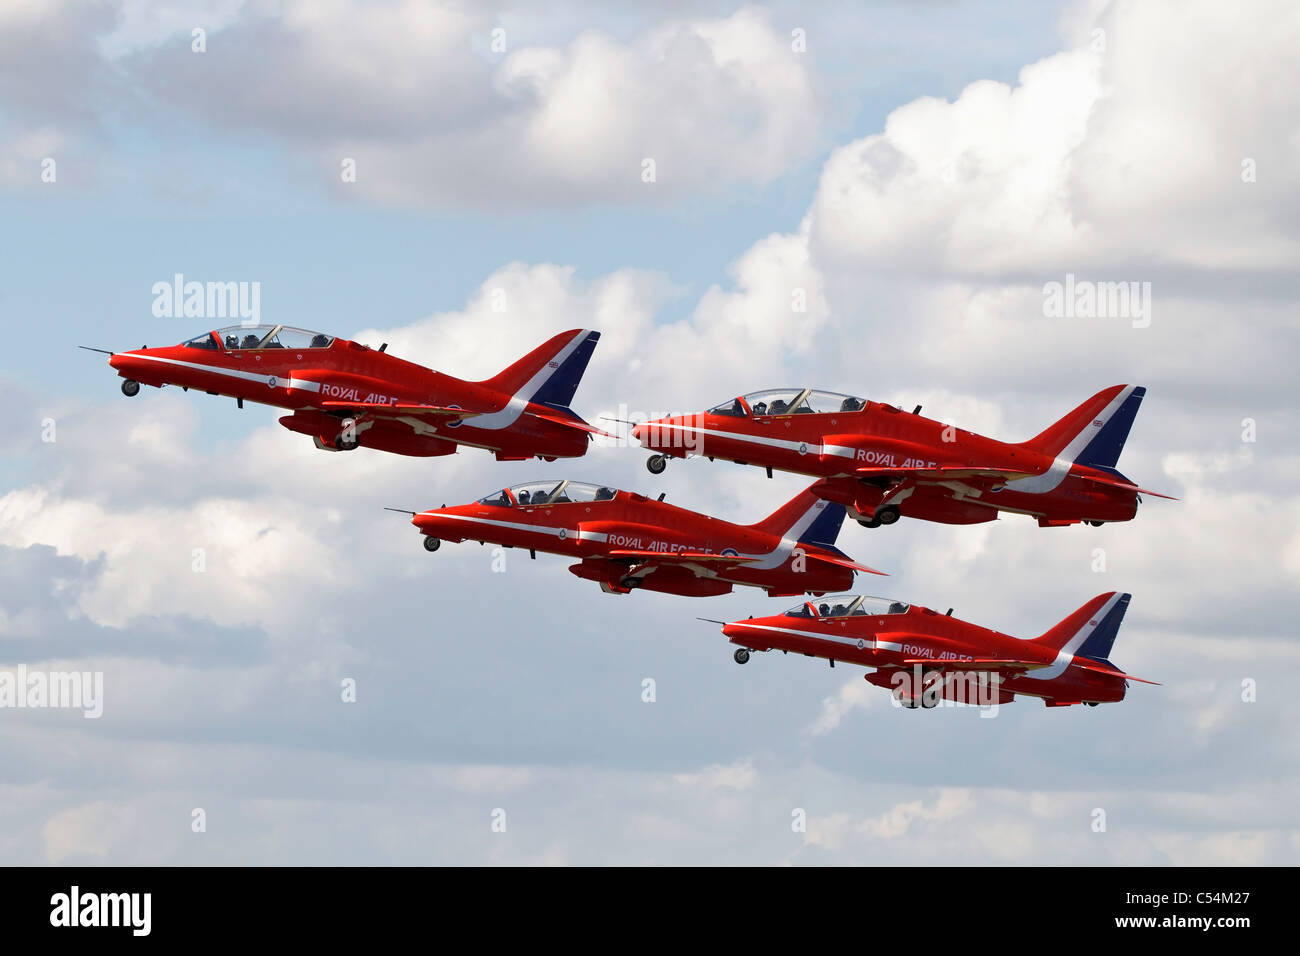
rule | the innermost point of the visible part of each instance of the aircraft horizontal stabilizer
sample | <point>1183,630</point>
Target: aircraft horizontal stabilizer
<point>1099,668</point>
<point>574,423</point>
<point>1125,485</point>
<point>846,563</point>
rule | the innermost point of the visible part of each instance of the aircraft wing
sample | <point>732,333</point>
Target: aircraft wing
<point>396,411</point>
<point>979,663</point>
<point>939,472</point>
<point>681,557</point>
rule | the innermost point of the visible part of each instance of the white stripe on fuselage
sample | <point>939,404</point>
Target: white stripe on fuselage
<point>274,381</point>
<point>859,642</point>
<point>560,533</point>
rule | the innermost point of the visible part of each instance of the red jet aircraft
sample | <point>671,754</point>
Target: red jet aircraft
<point>922,656</point>
<point>625,540</point>
<point>886,463</point>
<point>344,394</point>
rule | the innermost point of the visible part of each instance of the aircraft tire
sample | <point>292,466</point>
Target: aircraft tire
<point>1096,524</point>
<point>887,515</point>
<point>656,464</point>
<point>741,656</point>
<point>431,543</point>
<point>630,583</point>
<point>869,522</point>
<point>130,388</point>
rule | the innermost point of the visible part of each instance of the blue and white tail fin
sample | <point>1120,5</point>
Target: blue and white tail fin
<point>1089,631</point>
<point>1094,433</point>
<point>549,374</point>
<point>806,519</point>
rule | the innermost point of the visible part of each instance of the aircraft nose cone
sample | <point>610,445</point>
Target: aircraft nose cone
<point>638,432</point>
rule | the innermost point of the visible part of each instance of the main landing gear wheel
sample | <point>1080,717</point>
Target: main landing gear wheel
<point>656,464</point>
<point>431,543</point>
<point>630,583</point>
<point>887,514</point>
<point>741,656</point>
<point>130,388</point>
<point>869,522</point>
<point>1096,524</point>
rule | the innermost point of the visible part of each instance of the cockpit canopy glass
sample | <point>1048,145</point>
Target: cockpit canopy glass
<point>791,401</point>
<point>204,341</point>
<point>847,605</point>
<point>533,493</point>
<point>250,337</point>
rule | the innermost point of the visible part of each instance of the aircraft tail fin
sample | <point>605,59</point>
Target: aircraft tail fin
<point>807,518</point>
<point>550,373</point>
<point>1089,631</point>
<point>1094,433</point>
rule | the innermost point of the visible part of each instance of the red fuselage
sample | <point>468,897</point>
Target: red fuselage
<point>625,540</point>
<point>885,457</point>
<point>909,647</point>
<point>344,394</point>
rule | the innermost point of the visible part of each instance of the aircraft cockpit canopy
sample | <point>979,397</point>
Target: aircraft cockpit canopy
<point>243,338</point>
<point>790,401</point>
<point>847,605</point>
<point>533,493</point>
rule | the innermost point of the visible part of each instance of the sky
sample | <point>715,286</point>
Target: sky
<point>920,174</point>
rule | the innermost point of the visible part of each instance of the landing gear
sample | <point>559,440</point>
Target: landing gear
<point>346,444</point>
<point>656,464</point>
<point>1090,703</point>
<point>741,656</point>
<point>630,583</point>
<point>886,515</point>
<point>431,543</point>
<point>130,388</point>
<point>1096,524</point>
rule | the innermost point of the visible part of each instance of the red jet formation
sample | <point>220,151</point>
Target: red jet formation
<point>923,656</point>
<point>883,463</point>
<point>625,540</point>
<point>345,394</point>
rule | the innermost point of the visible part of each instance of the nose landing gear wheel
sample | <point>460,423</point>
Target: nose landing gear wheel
<point>741,656</point>
<point>656,464</point>
<point>130,388</point>
<point>432,544</point>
